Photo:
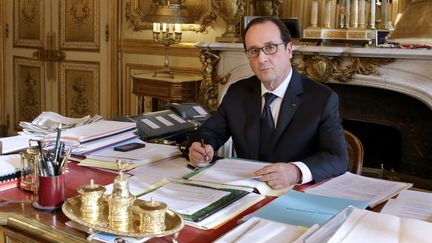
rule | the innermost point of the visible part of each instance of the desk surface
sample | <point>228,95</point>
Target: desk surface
<point>17,212</point>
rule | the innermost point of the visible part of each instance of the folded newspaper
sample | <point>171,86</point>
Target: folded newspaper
<point>47,122</point>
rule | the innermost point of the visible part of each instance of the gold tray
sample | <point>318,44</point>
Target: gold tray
<point>71,208</point>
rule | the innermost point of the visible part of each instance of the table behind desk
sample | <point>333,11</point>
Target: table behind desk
<point>20,222</point>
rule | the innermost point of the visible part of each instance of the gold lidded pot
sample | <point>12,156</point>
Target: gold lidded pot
<point>91,201</point>
<point>120,200</point>
<point>151,215</point>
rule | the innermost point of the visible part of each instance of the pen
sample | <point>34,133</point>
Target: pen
<point>203,146</point>
<point>57,144</point>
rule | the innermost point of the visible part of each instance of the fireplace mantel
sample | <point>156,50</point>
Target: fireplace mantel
<point>407,71</point>
<point>393,74</point>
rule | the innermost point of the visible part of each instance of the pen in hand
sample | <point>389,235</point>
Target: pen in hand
<point>206,158</point>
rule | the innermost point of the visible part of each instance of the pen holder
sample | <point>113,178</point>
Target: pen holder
<point>49,193</point>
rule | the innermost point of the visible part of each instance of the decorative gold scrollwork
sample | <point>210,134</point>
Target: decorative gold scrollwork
<point>325,68</point>
<point>80,12</point>
<point>208,93</point>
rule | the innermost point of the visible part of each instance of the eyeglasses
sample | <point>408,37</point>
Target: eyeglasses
<point>267,49</point>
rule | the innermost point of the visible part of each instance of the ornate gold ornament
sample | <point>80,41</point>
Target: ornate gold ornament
<point>324,68</point>
<point>80,12</point>
<point>29,103</point>
<point>120,212</point>
<point>28,10</point>
<point>208,92</point>
<point>80,104</point>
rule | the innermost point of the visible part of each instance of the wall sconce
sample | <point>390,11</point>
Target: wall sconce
<point>415,25</point>
<point>167,19</point>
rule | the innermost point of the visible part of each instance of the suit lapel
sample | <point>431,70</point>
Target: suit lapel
<point>253,113</point>
<point>289,105</point>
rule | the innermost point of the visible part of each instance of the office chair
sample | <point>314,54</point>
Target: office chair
<point>355,153</point>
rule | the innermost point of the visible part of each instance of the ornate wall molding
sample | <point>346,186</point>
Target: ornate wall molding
<point>29,88</point>
<point>79,88</point>
<point>29,23</point>
<point>80,24</point>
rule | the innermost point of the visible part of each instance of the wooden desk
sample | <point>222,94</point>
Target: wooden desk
<point>20,222</point>
<point>182,88</point>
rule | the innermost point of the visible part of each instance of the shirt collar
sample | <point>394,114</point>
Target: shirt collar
<point>281,89</point>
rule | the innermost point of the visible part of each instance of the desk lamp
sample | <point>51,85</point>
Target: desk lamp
<point>167,19</point>
<point>415,25</point>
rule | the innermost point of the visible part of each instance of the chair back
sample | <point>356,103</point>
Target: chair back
<point>355,153</point>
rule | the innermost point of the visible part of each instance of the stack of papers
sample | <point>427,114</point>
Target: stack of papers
<point>96,130</point>
<point>106,158</point>
<point>410,204</point>
<point>237,172</point>
<point>366,226</point>
<point>47,122</point>
<point>15,143</point>
<point>356,187</point>
<point>9,164</point>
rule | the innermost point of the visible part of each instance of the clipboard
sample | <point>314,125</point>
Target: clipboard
<point>329,228</point>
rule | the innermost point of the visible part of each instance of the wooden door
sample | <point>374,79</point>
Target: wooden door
<point>58,57</point>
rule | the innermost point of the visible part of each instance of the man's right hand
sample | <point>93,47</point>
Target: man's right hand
<point>200,155</point>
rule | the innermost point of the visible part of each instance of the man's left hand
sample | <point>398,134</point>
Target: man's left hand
<point>280,175</point>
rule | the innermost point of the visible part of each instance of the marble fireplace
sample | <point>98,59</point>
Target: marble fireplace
<point>385,98</point>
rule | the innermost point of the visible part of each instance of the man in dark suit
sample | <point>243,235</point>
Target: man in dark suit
<point>305,141</point>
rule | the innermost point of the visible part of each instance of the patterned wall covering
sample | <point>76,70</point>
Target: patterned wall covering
<point>28,88</point>
<point>79,24</point>
<point>79,82</point>
<point>29,27</point>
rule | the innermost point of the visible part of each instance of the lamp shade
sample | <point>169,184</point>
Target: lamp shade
<point>171,13</point>
<point>415,25</point>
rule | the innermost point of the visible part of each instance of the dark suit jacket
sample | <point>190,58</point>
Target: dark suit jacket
<point>308,130</point>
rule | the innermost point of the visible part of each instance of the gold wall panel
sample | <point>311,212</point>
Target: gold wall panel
<point>79,24</point>
<point>29,88</point>
<point>79,89</point>
<point>28,23</point>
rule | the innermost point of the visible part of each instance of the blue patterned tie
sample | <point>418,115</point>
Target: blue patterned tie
<point>267,128</point>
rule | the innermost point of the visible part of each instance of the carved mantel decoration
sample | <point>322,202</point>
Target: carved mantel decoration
<point>324,68</point>
<point>208,92</point>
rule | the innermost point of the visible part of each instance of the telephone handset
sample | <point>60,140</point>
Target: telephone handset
<point>190,111</point>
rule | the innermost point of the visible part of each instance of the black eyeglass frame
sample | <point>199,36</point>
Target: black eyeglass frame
<point>249,55</point>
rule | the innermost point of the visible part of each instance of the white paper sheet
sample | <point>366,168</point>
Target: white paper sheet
<point>185,199</point>
<point>237,172</point>
<point>411,204</point>
<point>259,230</point>
<point>361,188</point>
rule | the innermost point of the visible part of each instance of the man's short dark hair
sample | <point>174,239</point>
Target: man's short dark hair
<point>284,32</point>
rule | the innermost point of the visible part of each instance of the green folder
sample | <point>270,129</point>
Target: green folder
<point>223,202</point>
